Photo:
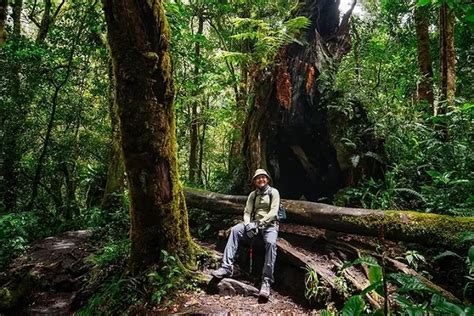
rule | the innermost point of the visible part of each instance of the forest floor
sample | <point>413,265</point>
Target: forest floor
<point>58,262</point>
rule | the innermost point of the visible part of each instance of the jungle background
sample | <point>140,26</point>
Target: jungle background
<point>398,107</point>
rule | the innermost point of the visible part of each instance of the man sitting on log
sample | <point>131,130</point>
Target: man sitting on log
<point>260,218</point>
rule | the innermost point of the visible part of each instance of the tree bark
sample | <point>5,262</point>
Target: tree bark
<point>3,18</point>
<point>447,57</point>
<point>424,228</point>
<point>14,125</point>
<point>47,19</point>
<point>116,170</point>
<point>425,86</point>
<point>194,171</point>
<point>17,8</point>
<point>138,36</point>
<point>289,129</point>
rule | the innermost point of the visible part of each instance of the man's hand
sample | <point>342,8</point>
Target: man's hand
<point>251,229</point>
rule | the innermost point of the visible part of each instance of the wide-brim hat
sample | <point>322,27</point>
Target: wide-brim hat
<point>259,172</point>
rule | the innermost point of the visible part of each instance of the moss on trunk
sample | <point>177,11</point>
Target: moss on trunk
<point>138,36</point>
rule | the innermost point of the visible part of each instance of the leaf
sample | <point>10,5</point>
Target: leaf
<point>467,236</point>
<point>409,307</point>
<point>354,306</point>
<point>375,274</point>
<point>409,283</point>
<point>373,286</point>
<point>470,256</point>
<point>446,253</point>
<point>367,260</point>
<point>422,3</point>
<point>441,305</point>
<point>468,106</point>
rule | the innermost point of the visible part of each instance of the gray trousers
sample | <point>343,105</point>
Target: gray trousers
<point>237,234</point>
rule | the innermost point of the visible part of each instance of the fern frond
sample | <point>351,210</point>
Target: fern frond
<point>410,191</point>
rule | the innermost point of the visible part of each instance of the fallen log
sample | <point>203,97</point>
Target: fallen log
<point>424,228</point>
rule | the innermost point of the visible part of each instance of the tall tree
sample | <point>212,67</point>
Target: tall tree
<point>47,19</point>
<point>194,171</point>
<point>425,87</point>
<point>3,18</point>
<point>17,9</point>
<point>14,125</point>
<point>138,36</point>
<point>447,56</point>
<point>288,128</point>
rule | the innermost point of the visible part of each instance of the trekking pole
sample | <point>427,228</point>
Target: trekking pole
<point>250,257</point>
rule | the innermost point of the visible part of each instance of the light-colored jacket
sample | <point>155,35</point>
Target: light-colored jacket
<point>265,213</point>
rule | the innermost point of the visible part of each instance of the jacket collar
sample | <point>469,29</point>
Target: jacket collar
<point>264,190</point>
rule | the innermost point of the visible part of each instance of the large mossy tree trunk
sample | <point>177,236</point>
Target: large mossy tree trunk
<point>290,130</point>
<point>138,36</point>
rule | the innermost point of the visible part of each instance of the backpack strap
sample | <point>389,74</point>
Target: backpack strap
<point>252,215</point>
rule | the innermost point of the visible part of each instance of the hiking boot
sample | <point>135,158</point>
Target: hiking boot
<point>222,273</point>
<point>264,290</point>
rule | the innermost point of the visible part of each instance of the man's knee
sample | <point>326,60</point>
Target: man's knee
<point>270,238</point>
<point>237,229</point>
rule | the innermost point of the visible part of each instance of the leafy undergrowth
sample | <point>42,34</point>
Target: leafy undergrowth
<point>116,291</point>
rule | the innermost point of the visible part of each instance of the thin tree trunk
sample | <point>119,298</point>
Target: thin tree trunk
<point>447,57</point>
<point>47,19</point>
<point>138,36</point>
<point>3,18</point>
<point>195,119</point>
<point>54,104</point>
<point>356,51</point>
<point>202,140</point>
<point>15,126</point>
<point>17,9</point>
<point>425,86</point>
<point>39,166</point>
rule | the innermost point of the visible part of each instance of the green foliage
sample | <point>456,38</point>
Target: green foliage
<point>312,284</point>
<point>265,37</point>
<point>18,230</point>
<point>410,289</point>
<point>469,261</point>
<point>409,283</point>
<point>168,279</point>
<point>120,293</point>
<point>110,253</point>
<point>354,306</point>
<point>413,258</point>
<point>437,306</point>
<point>423,169</point>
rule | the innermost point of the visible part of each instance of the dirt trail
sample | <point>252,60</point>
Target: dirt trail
<point>51,272</point>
